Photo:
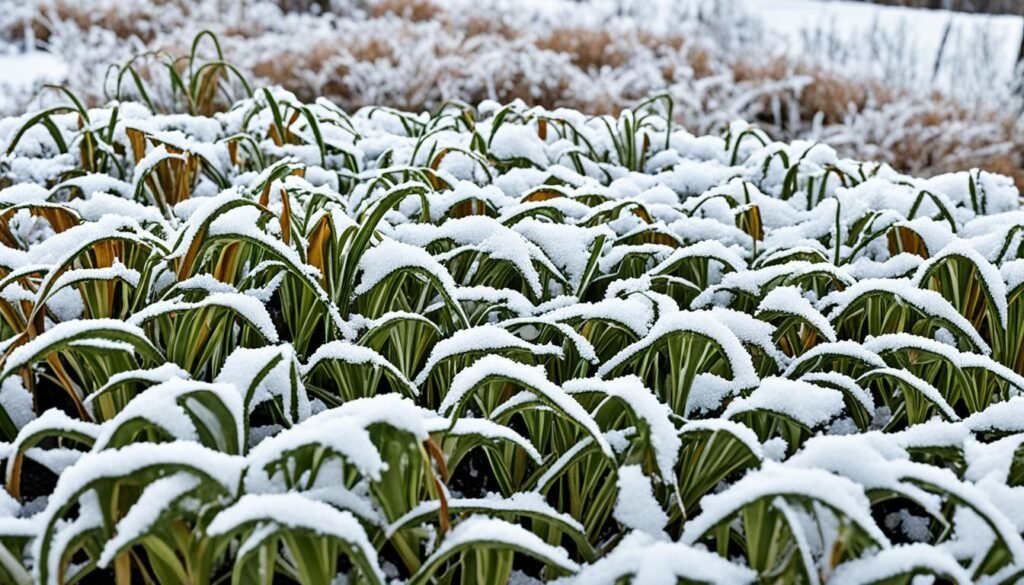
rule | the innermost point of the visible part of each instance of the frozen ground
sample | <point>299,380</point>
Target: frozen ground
<point>857,30</point>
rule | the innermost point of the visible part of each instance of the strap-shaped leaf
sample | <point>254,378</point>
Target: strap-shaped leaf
<point>95,474</point>
<point>185,410</point>
<point>479,534</point>
<point>293,515</point>
<point>908,561</point>
<point>493,369</point>
<point>62,335</point>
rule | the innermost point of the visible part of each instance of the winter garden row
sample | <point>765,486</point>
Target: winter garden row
<point>289,342</point>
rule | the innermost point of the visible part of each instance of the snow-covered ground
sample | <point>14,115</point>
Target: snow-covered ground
<point>22,73</point>
<point>903,44</point>
<point>869,33</point>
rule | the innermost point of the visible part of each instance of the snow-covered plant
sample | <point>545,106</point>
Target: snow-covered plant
<point>288,343</point>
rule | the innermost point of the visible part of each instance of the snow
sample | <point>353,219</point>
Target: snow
<point>16,402</point>
<point>849,23</point>
<point>568,247</point>
<point>485,338</point>
<point>390,256</point>
<point>633,313</point>
<point>513,141</point>
<point>390,409</point>
<point>1004,417</point>
<point>900,560</point>
<point>21,73</point>
<point>485,235</point>
<point>845,384</point>
<point>635,507</point>
<point>653,562</point>
<point>809,404</point>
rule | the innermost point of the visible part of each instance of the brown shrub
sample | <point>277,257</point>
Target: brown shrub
<point>413,10</point>
<point>588,49</point>
<point>834,95</point>
<point>476,25</point>
<point>126,21</point>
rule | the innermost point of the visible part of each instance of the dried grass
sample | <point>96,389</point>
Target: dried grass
<point>411,10</point>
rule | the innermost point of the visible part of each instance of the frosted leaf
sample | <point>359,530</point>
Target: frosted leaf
<point>480,529</point>
<point>248,308</point>
<point>655,562</point>
<point>987,272</point>
<point>655,414</point>
<point>164,406</point>
<point>491,430</point>
<point>789,301</point>
<point>485,338</point>
<point>281,381</point>
<point>900,560</point>
<point>568,247</point>
<point>139,519</point>
<point>533,378</point>
<point>930,303</point>
<point>163,373</point>
<point>848,349</point>
<point>924,388</point>
<point>703,324</point>
<point>389,256</point>
<point>774,480</point>
<point>526,503</point>
<point>295,511</point>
